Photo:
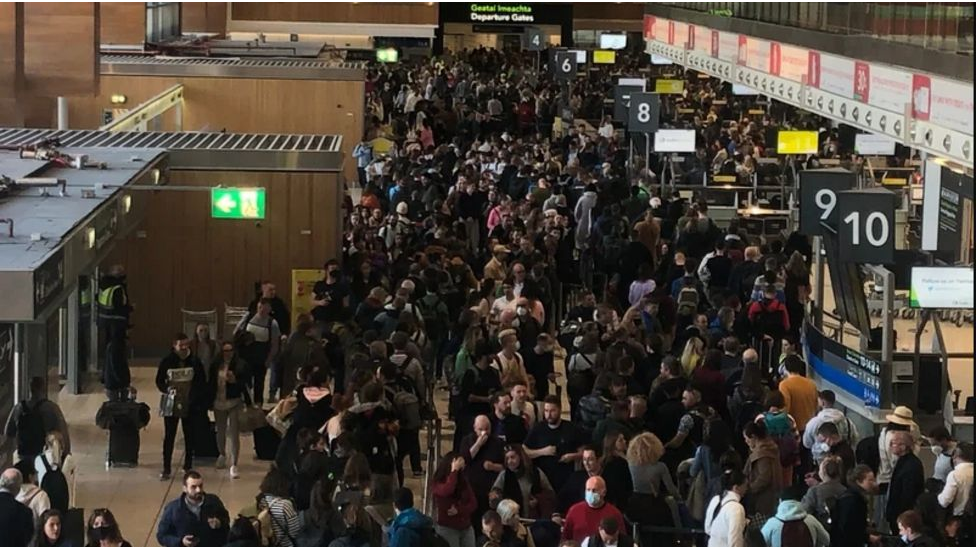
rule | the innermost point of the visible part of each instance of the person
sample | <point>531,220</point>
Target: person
<point>454,500</point>
<point>484,453</point>
<point>182,381</point>
<point>522,406</point>
<point>831,444</point>
<point>32,495</point>
<point>514,533</point>
<point>800,393</point>
<point>286,523</point>
<point>227,394</point>
<point>648,473</point>
<point>584,518</point>
<point>409,527</point>
<point>826,403</point>
<point>763,469</point>
<point>114,308</point>
<point>792,526</point>
<point>243,534</point>
<point>907,478</point>
<point>691,427</point>
<point>911,530</point>
<point>279,310</point>
<point>522,483</point>
<point>54,458</point>
<point>476,387</point>
<point>943,445</point>
<point>959,484</point>
<point>331,295</point>
<point>900,419</point>
<point>31,420</point>
<point>610,534</point>
<point>103,530</point>
<point>725,517</point>
<point>553,443</point>
<point>16,519</point>
<point>261,338</point>
<point>509,361</point>
<point>195,518</point>
<point>48,532</point>
<point>203,346</point>
<point>849,520</point>
<point>821,499</point>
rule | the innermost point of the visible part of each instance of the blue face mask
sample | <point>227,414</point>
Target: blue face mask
<point>593,499</point>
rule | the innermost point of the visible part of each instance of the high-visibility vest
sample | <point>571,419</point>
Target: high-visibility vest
<point>106,299</point>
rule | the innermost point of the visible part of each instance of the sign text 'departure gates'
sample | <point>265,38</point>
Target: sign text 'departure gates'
<point>501,13</point>
<point>231,203</point>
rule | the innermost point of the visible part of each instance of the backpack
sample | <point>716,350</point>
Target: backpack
<point>613,249</point>
<point>688,301</point>
<point>407,405</point>
<point>592,409</point>
<point>56,486</point>
<point>795,533</point>
<point>786,440</point>
<point>430,538</point>
<point>30,429</point>
<point>435,316</point>
<point>769,322</point>
<point>867,453</point>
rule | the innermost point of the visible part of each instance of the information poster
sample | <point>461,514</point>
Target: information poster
<point>302,282</point>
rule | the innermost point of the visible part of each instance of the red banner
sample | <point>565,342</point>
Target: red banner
<point>862,81</point>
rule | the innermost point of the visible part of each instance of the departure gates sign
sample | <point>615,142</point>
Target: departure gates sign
<point>232,203</point>
<point>498,12</point>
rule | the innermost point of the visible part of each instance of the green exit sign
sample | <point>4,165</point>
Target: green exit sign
<point>231,203</point>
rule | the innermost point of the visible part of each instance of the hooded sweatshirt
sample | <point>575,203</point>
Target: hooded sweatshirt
<point>408,528</point>
<point>791,510</point>
<point>845,427</point>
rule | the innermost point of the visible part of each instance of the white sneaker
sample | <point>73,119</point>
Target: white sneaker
<point>233,472</point>
<point>221,462</point>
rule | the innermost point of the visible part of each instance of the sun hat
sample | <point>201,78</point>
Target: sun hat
<point>901,415</point>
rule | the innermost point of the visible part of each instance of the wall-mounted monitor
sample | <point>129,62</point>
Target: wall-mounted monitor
<point>614,41</point>
<point>658,60</point>
<point>604,57</point>
<point>797,142</point>
<point>580,56</point>
<point>739,89</point>
<point>873,144</point>
<point>674,141</point>
<point>942,288</point>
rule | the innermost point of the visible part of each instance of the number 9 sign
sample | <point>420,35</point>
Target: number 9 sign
<point>818,198</point>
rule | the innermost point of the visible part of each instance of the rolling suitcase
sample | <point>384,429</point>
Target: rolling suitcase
<point>205,436</point>
<point>266,441</point>
<point>123,446</point>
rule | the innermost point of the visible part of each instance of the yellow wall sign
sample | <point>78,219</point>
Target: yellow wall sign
<point>302,282</point>
<point>669,86</point>
<point>797,142</point>
<point>725,179</point>
<point>606,57</point>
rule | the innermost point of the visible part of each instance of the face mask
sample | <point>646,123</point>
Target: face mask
<point>101,533</point>
<point>937,450</point>
<point>822,447</point>
<point>521,311</point>
<point>593,499</point>
<point>518,345</point>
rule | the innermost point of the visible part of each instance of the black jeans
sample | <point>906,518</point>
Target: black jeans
<point>408,444</point>
<point>169,440</point>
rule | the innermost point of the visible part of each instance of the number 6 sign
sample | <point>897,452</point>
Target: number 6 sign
<point>565,68</point>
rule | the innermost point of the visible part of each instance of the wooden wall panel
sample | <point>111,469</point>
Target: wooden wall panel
<point>244,105</point>
<point>204,17</point>
<point>123,23</point>
<point>61,42</point>
<point>11,49</point>
<point>188,260</point>
<point>390,13</point>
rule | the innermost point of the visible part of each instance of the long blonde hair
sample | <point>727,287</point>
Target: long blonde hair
<point>54,441</point>
<point>691,355</point>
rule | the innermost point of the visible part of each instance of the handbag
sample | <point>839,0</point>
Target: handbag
<point>251,418</point>
<point>167,403</point>
<point>697,498</point>
<point>280,416</point>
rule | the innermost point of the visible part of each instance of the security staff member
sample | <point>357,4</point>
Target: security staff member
<point>113,304</point>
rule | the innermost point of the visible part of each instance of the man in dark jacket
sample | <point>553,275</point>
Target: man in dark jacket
<point>30,421</point>
<point>183,382</point>
<point>907,479</point>
<point>196,518</point>
<point>114,308</point>
<point>16,519</point>
<point>849,518</point>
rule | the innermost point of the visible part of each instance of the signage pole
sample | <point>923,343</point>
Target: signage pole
<point>647,152</point>
<point>818,282</point>
<point>630,157</point>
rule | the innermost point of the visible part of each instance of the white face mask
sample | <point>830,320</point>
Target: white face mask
<point>937,450</point>
<point>821,447</point>
<point>518,345</point>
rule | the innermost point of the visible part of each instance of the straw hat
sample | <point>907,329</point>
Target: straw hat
<point>902,415</point>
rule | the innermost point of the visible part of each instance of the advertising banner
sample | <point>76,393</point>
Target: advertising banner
<point>890,89</point>
<point>728,47</point>
<point>791,63</point>
<point>942,102</point>
<point>302,282</point>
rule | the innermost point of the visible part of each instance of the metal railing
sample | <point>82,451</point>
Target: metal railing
<point>433,456</point>
<point>139,117</point>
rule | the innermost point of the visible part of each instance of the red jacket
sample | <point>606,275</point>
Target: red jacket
<point>464,502</point>
<point>774,306</point>
<point>583,520</point>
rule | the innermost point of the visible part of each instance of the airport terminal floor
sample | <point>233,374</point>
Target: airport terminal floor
<point>486,275</point>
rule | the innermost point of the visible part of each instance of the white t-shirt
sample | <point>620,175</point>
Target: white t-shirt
<point>263,329</point>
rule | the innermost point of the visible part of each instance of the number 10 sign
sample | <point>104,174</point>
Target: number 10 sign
<point>866,226</point>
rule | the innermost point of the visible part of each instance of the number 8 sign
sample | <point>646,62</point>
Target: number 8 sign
<point>644,112</point>
<point>866,230</point>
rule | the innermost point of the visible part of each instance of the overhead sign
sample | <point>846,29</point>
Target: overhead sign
<point>669,86</point>
<point>797,142</point>
<point>866,226</point>
<point>232,203</point>
<point>621,100</point>
<point>644,112</point>
<point>942,288</point>
<point>674,141</point>
<point>874,144</point>
<point>942,102</point>
<point>604,57</point>
<point>564,65</point>
<point>387,55</point>
<point>533,39</point>
<point>497,12</point>
<point>818,198</point>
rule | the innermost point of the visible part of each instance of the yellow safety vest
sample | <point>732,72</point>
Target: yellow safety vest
<point>106,299</point>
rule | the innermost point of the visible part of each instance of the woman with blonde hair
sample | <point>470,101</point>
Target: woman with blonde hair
<point>56,457</point>
<point>692,355</point>
<point>648,473</point>
<point>508,510</point>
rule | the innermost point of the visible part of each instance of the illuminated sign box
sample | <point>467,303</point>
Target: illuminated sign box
<point>387,55</point>
<point>669,86</point>
<point>797,142</point>
<point>231,203</point>
<point>942,288</point>
<point>604,57</point>
<point>501,13</point>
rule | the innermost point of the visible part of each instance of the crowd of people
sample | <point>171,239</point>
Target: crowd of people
<point>494,240</point>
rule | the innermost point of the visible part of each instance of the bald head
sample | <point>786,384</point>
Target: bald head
<point>750,356</point>
<point>482,425</point>
<point>596,484</point>
<point>10,481</point>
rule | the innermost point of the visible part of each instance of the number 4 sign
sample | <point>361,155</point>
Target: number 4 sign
<point>532,39</point>
<point>866,227</point>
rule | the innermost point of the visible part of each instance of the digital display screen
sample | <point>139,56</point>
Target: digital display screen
<point>604,57</point>
<point>613,41</point>
<point>869,143</point>
<point>797,142</point>
<point>858,375</point>
<point>674,141</point>
<point>942,288</point>
<point>658,60</point>
<point>739,89</point>
<point>387,55</point>
<point>669,86</point>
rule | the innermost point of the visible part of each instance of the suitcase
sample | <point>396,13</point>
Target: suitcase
<point>266,441</point>
<point>73,528</point>
<point>205,437</point>
<point>123,446</point>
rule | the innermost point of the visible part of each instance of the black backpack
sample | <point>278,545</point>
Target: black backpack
<point>795,533</point>
<point>430,538</point>
<point>768,323</point>
<point>436,316</point>
<point>30,429</point>
<point>56,486</point>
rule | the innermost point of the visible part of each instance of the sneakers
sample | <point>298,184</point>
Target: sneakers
<point>221,462</point>
<point>233,472</point>
<point>165,475</point>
